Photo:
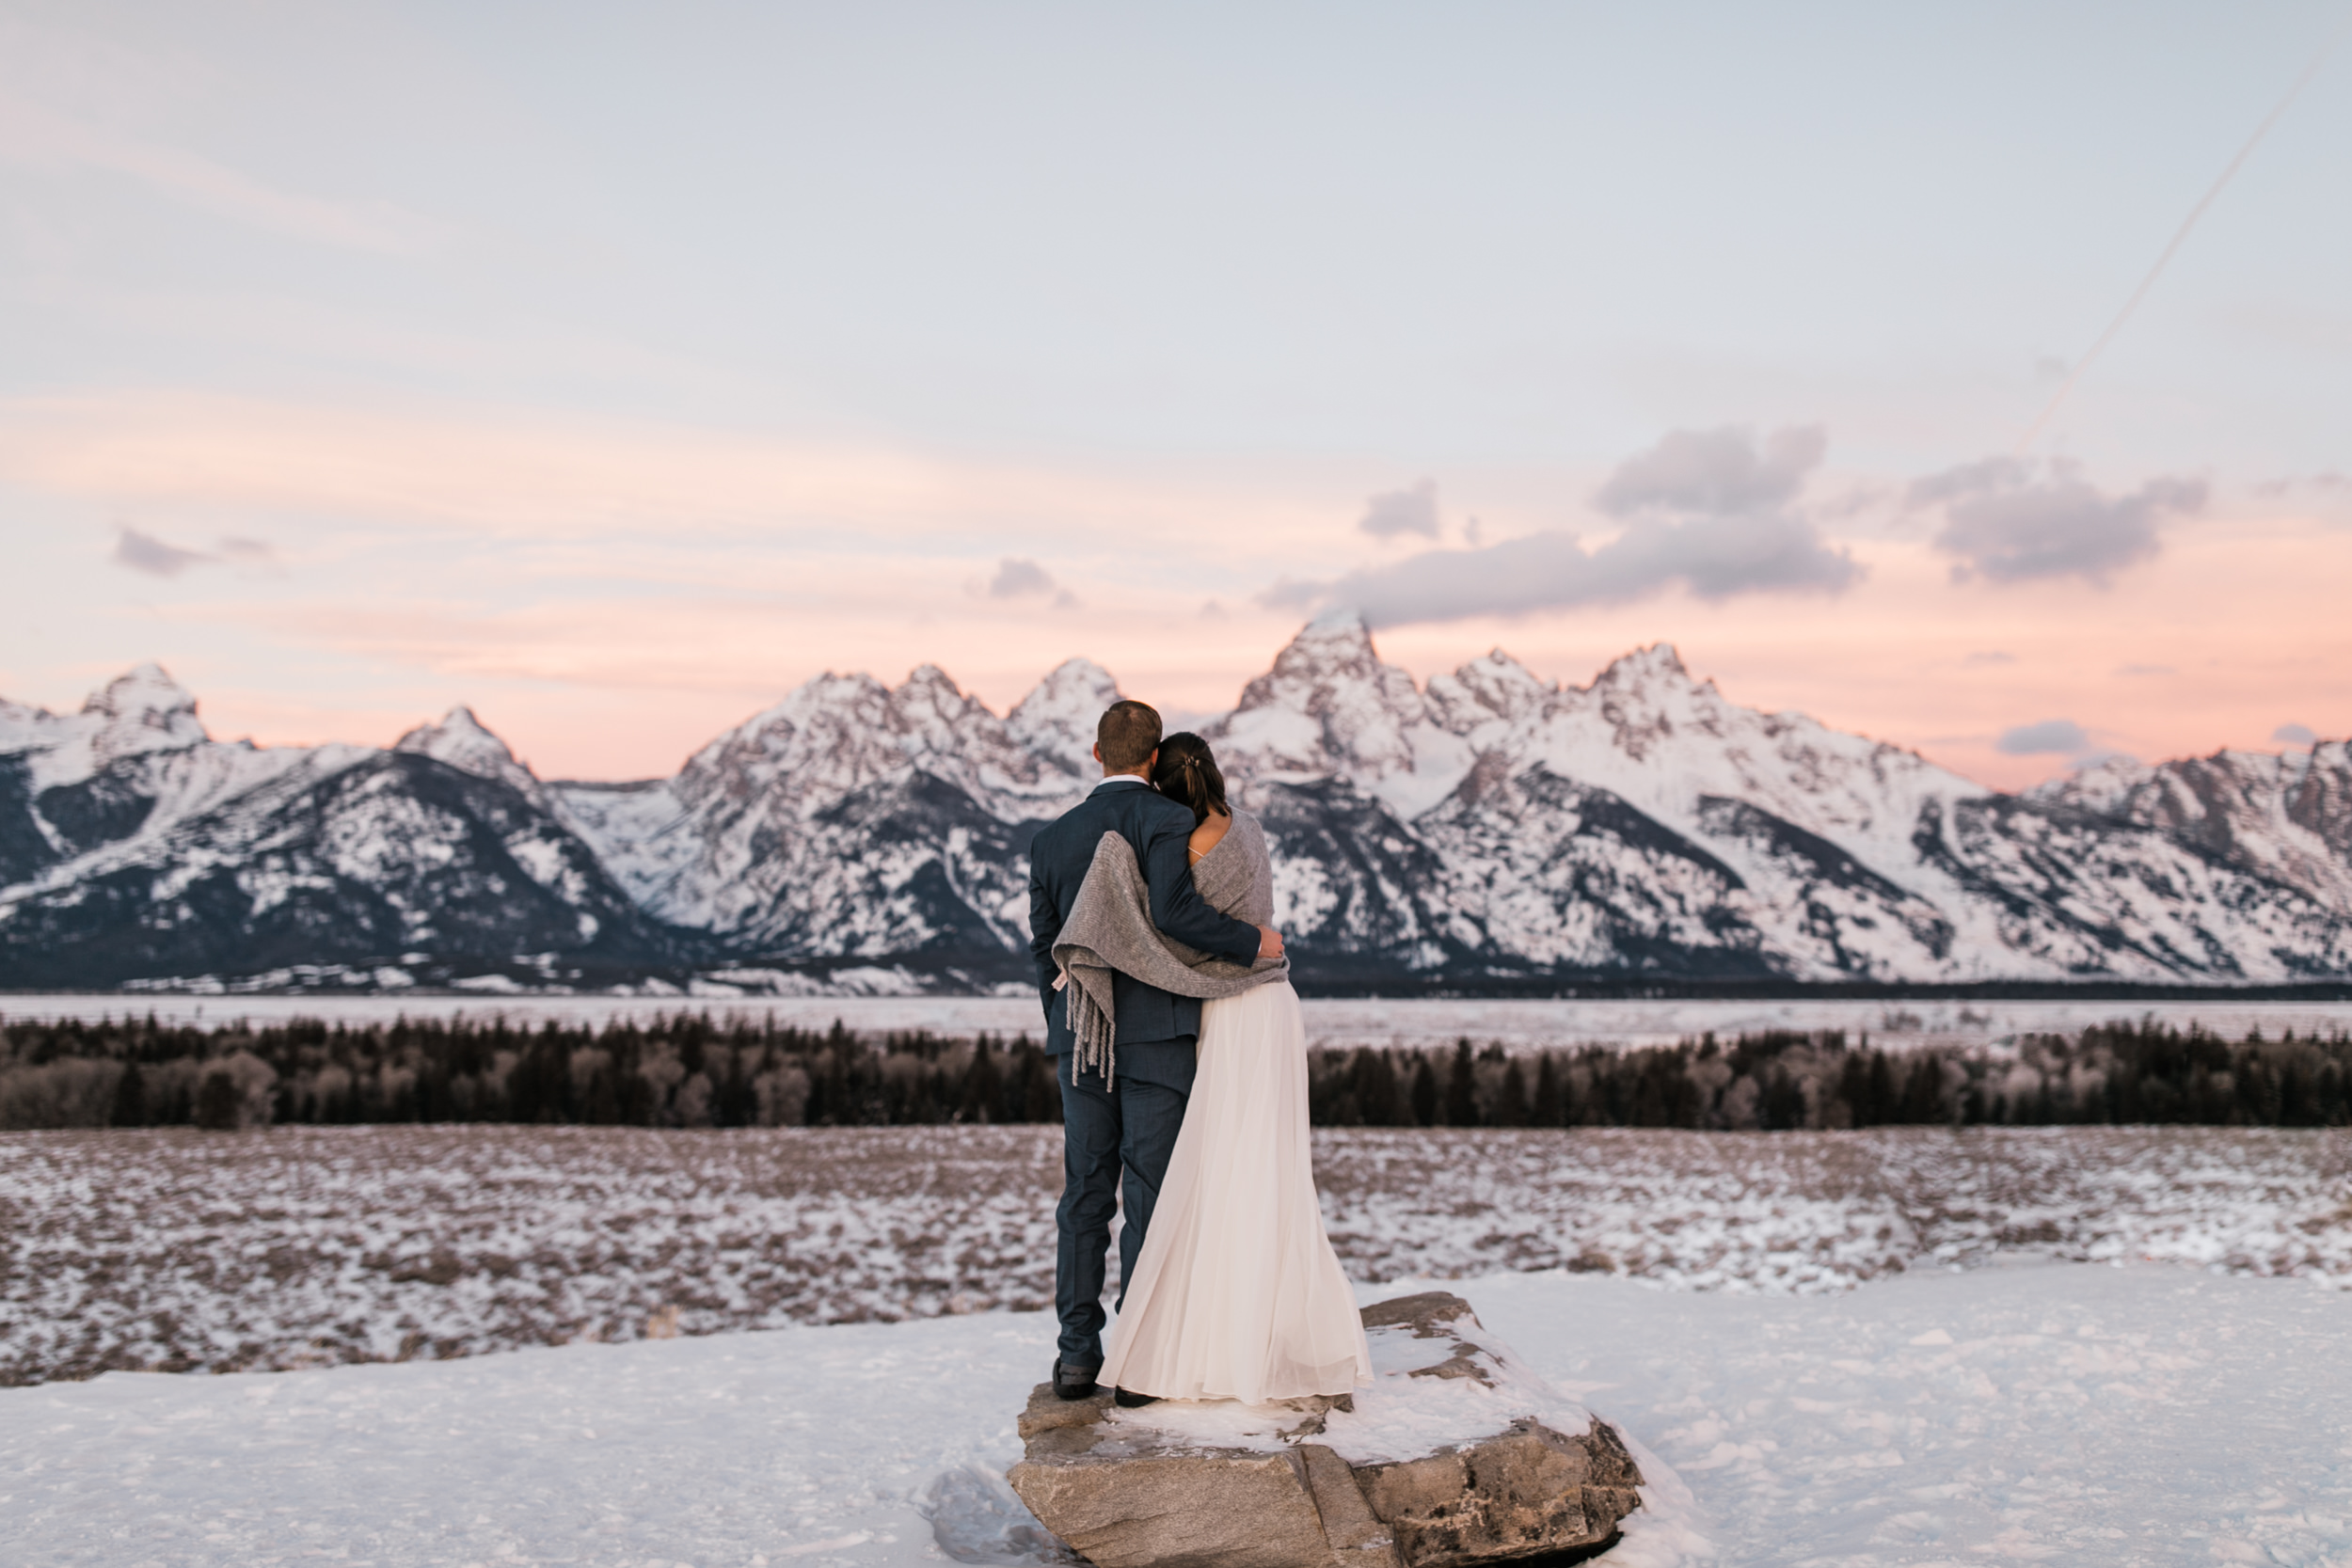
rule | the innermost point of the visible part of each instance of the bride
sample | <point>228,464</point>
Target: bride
<point>1236,1294</point>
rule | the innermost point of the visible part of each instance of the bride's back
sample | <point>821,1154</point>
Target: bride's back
<point>1237,877</point>
<point>1231,868</point>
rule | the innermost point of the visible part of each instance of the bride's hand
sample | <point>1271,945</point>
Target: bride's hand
<point>1269,942</point>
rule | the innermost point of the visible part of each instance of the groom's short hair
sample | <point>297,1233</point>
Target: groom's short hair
<point>1128,733</point>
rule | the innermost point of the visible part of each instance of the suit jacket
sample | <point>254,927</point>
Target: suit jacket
<point>1059,857</point>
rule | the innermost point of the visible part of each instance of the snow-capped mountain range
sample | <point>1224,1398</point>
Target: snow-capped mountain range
<point>1487,828</point>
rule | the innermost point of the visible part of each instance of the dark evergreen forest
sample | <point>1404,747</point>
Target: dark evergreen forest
<point>690,1069</point>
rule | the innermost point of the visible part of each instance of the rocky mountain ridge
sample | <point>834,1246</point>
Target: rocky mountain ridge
<point>1483,827</point>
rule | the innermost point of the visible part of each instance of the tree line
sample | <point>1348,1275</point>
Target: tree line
<point>2117,1074</point>
<point>689,1070</point>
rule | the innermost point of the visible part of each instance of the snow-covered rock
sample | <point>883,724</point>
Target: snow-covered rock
<point>1456,1454</point>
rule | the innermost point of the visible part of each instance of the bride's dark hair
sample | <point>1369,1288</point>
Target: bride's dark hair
<point>1186,773</point>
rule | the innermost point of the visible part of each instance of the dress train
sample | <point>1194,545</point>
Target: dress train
<point>1238,1294</point>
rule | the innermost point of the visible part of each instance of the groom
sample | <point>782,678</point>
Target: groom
<point>1128,1127</point>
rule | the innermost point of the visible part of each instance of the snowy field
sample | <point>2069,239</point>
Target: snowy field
<point>302,1246</point>
<point>1515,1024</point>
<point>2037,1412</point>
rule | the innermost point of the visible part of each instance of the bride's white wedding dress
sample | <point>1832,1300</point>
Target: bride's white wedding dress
<point>1237,1294</point>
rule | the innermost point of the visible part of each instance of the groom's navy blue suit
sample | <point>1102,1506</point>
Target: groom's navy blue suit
<point>1131,1125</point>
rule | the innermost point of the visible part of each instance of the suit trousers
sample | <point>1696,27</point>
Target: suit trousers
<point>1116,1141</point>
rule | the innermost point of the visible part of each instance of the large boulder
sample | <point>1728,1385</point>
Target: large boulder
<point>1454,1456</point>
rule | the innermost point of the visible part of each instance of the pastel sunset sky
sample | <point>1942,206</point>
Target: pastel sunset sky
<point>615,369</point>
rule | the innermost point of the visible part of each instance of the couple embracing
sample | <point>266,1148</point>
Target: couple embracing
<point>1181,1058</point>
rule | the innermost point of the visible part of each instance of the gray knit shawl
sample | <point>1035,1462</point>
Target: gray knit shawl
<point>1110,930</point>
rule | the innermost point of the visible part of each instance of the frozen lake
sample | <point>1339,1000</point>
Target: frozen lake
<point>1524,1025</point>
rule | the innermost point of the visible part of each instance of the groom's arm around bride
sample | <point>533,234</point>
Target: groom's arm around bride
<point>1157,827</point>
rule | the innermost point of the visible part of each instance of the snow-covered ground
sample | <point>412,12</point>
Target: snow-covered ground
<point>2041,1411</point>
<point>300,1246</point>
<point>1516,1025</point>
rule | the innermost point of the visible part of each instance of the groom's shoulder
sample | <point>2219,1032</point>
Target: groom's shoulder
<point>1096,811</point>
<point>1155,807</point>
<point>1122,807</point>
<point>1131,805</point>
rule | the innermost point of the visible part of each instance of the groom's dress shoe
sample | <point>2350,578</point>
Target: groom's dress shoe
<point>1127,1400</point>
<point>1074,1383</point>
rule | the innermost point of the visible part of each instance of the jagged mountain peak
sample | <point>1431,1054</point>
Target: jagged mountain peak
<point>463,742</point>
<point>139,711</point>
<point>951,734</point>
<point>2103,785</point>
<point>145,691</point>
<point>1340,619</point>
<point>1328,703</point>
<point>1329,663</point>
<point>1492,685</point>
<point>1071,679</point>
<point>2288,815</point>
<point>831,714</point>
<point>1336,643</point>
<point>1488,823</point>
<point>929,697</point>
<point>458,723</point>
<point>1659,663</point>
<point>927,677</point>
<point>143,709</point>
<point>812,701</point>
<point>1056,720</point>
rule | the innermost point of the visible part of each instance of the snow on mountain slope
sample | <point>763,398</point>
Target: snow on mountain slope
<point>2287,818</point>
<point>135,760</point>
<point>1646,820</point>
<point>135,714</point>
<point>134,846</point>
<point>1486,826</point>
<point>1330,706</point>
<point>460,740</point>
<point>854,818</point>
<point>1055,722</point>
<point>355,865</point>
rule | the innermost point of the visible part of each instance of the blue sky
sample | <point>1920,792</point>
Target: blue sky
<point>616,367</point>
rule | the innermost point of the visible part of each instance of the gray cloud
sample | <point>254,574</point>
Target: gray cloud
<point>157,558</point>
<point>1989,658</point>
<point>1413,510</point>
<point>1714,473</point>
<point>2327,481</point>
<point>1709,510</point>
<point>1017,579</point>
<point>2050,734</point>
<point>2014,521</point>
<point>144,552</point>
<point>2295,735</point>
<point>2147,669</point>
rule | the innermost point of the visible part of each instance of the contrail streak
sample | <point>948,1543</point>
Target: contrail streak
<point>2180,235</point>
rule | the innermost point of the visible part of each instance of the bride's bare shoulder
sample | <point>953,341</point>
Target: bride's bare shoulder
<point>1209,834</point>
